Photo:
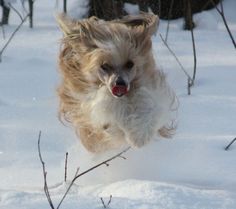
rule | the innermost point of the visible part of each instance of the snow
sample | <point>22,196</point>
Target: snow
<point>190,171</point>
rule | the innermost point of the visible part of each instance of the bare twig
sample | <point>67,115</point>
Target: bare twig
<point>77,171</point>
<point>228,146</point>
<point>90,169</point>
<point>16,11</point>
<point>103,203</point>
<point>195,58</point>
<point>12,35</point>
<point>109,200</point>
<point>44,175</point>
<point>189,86</point>
<point>190,81</point>
<point>65,176</point>
<point>222,14</point>
<point>176,58</point>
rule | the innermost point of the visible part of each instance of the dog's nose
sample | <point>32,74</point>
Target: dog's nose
<point>120,82</point>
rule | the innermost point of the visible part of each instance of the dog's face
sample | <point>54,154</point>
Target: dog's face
<point>117,78</point>
<point>111,53</point>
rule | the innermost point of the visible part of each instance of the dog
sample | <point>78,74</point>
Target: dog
<point>111,89</point>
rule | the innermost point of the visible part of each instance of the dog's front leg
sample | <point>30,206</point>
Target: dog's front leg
<point>141,123</point>
<point>140,128</point>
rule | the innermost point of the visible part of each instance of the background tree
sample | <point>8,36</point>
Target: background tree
<point>166,9</point>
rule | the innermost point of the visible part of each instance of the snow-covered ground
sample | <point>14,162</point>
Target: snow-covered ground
<point>192,170</point>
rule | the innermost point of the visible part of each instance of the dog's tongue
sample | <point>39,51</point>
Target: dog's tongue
<point>119,90</point>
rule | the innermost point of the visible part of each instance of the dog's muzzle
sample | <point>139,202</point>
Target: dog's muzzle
<point>120,87</point>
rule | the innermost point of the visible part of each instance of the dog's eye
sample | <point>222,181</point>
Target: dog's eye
<point>129,64</point>
<point>106,67</point>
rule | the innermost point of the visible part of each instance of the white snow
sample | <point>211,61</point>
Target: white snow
<point>190,171</point>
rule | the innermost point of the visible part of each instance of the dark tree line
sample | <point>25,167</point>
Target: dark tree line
<point>166,9</point>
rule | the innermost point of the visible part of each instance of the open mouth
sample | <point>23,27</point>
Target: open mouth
<point>119,90</point>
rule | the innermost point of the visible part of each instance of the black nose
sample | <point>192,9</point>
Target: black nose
<point>120,82</point>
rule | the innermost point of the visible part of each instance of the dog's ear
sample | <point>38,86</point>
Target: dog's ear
<point>142,23</point>
<point>65,23</point>
<point>75,27</point>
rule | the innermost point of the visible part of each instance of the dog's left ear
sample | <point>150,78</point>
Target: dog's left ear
<point>143,23</point>
<point>71,27</point>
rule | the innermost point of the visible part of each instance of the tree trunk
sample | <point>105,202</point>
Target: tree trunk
<point>31,4</point>
<point>65,6</point>
<point>188,16</point>
<point>5,14</point>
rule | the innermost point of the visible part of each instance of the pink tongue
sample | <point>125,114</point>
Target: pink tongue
<point>119,90</point>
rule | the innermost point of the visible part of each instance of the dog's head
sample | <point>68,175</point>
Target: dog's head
<point>111,53</point>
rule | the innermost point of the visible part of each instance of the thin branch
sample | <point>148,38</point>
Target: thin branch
<point>195,57</point>
<point>228,146</point>
<point>11,37</point>
<point>65,175</point>
<point>44,174</point>
<point>103,203</point>
<point>189,79</point>
<point>16,11</point>
<point>90,169</point>
<point>77,171</point>
<point>122,157</point>
<point>222,14</point>
<point>176,58</point>
<point>23,6</point>
<point>189,86</point>
<point>109,200</point>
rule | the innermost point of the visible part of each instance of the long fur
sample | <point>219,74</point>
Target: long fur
<point>102,121</point>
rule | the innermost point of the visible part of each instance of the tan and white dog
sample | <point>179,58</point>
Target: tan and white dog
<point>112,91</point>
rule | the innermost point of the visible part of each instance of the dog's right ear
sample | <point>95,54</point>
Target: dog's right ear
<point>65,23</point>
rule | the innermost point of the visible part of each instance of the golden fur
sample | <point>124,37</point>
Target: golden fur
<point>85,46</point>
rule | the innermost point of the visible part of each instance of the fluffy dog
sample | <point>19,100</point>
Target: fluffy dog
<point>111,90</point>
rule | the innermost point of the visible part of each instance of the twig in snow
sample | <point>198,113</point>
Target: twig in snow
<point>194,57</point>
<point>176,58</point>
<point>106,162</point>
<point>222,14</point>
<point>228,146</point>
<point>190,80</point>
<point>103,203</point>
<point>46,190</point>
<point>44,175</point>
<point>66,160</point>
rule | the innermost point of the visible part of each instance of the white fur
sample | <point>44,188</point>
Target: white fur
<point>138,116</point>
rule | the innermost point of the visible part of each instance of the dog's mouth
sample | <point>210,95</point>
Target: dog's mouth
<point>120,90</point>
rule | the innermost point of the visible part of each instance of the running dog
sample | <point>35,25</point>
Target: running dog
<point>111,90</point>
